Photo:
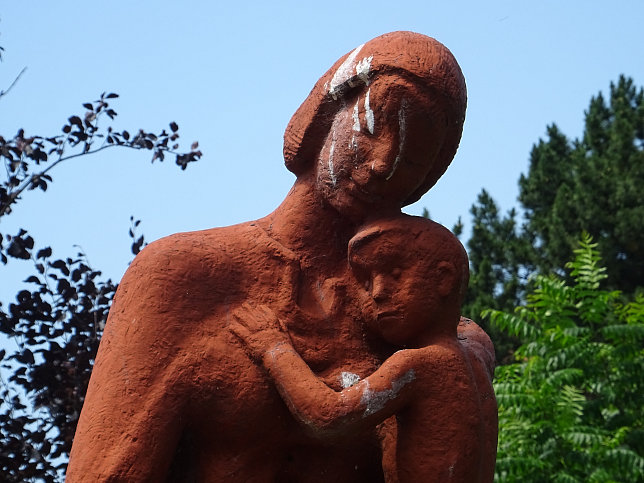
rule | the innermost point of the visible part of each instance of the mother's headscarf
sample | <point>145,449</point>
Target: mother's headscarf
<point>420,59</point>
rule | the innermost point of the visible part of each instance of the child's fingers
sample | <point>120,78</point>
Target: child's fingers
<point>257,319</point>
<point>245,311</point>
<point>247,315</point>
<point>239,331</point>
<point>238,319</point>
<point>259,313</point>
<point>266,311</point>
<point>271,318</point>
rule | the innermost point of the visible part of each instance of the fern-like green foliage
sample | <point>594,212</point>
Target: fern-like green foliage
<point>572,406</point>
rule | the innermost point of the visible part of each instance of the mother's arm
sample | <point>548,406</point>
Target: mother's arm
<point>478,344</point>
<point>480,353</point>
<point>130,424</point>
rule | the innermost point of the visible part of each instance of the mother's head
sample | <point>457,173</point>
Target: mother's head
<point>403,90</point>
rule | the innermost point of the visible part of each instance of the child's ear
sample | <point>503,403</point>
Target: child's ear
<point>446,278</point>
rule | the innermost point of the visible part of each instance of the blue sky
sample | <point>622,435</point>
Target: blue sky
<point>231,75</point>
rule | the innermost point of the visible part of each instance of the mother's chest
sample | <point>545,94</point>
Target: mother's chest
<point>326,326</point>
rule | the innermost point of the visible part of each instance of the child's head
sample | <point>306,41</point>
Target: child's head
<point>416,271</point>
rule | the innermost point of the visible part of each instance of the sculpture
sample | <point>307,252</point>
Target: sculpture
<point>174,394</point>
<point>416,274</point>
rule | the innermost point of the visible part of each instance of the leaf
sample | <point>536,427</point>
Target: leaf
<point>174,126</point>
<point>136,246</point>
<point>44,253</point>
<point>76,275</point>
<point>60,265</point>
<point>26,357</point>
<point>17,249</point>
<point>75,120</point>
<point>111,95</point>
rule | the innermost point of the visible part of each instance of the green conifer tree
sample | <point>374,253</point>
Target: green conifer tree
<point>592,183</point>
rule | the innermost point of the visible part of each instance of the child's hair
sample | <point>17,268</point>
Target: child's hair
<point>402,241</point>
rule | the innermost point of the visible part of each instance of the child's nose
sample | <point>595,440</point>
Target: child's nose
<point>379,290</point>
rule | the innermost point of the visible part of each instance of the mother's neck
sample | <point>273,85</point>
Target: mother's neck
<point>305,224</point>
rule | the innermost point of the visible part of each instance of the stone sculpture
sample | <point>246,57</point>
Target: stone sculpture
<point>178,391</point>
<point>416,274</point>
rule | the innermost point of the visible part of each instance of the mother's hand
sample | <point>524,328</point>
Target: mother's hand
<point>258,328</point>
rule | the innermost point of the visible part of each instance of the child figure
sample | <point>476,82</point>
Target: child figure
<point>416,273</point>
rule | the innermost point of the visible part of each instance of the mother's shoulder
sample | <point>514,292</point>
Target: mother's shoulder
<point>205,267</point>
<point>187,276</point>
<point>198,250</point>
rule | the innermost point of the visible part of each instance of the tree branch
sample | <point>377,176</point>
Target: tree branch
<point>6,91</point>
<point>4,209</point>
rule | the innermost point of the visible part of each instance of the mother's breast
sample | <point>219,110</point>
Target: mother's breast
<point>235,425</point>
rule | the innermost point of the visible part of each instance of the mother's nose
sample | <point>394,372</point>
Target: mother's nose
<point>382,167</point>
<point>387,154</point>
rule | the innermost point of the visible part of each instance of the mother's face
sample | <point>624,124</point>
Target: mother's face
<point>380,148</point>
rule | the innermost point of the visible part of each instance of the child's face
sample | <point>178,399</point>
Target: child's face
<point>401,290</point>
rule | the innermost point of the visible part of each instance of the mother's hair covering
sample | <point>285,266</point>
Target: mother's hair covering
<point>415,57</point>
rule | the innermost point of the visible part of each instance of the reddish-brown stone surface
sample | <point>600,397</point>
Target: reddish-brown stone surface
<point>175,395</point>
<point>415,274</point>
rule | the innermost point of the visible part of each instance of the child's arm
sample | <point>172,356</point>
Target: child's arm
<point>326,411</point>
<point>312,402</point>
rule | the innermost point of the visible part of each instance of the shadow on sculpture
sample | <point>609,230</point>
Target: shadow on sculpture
<point>267,351</point>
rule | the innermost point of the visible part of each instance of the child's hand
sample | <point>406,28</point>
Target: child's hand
<point>258,328</point>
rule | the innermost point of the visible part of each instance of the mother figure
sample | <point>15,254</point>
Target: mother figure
<point>173,395</point>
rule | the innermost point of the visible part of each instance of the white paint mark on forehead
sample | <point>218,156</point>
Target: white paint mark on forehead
<point>369,113</point>
<point>344,72</point>
<point>356,116</point>
<point>363,68</point>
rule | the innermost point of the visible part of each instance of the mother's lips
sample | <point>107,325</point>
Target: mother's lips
<point>364,194</point>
